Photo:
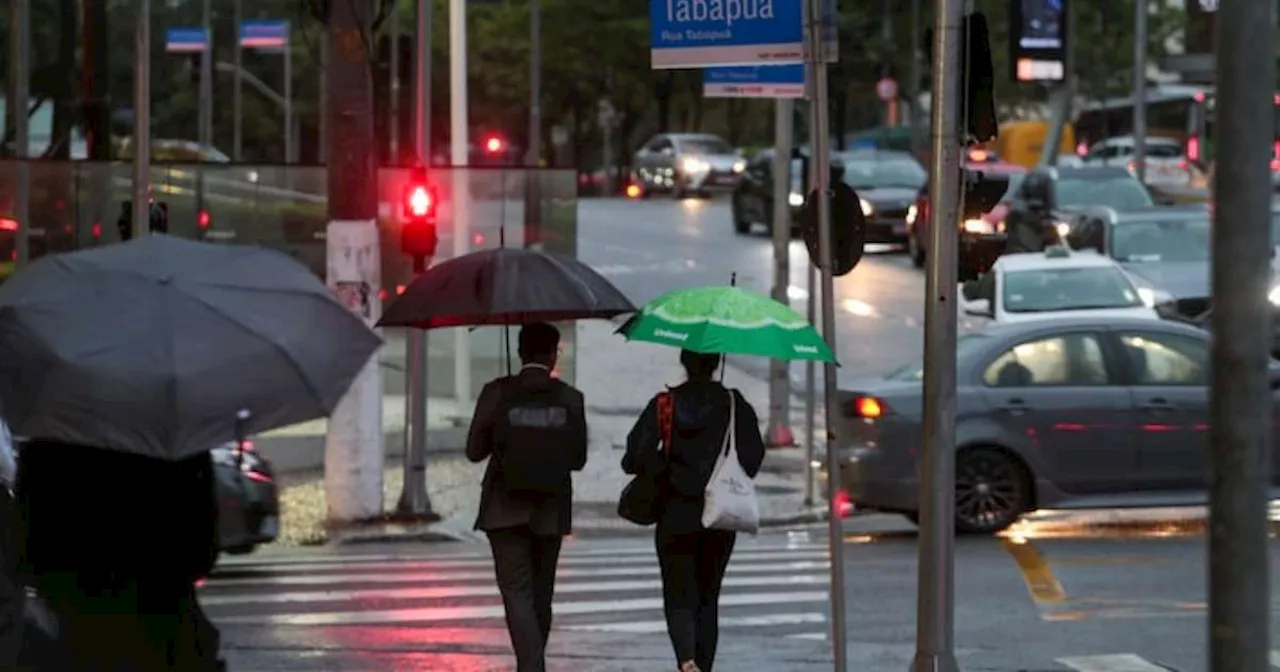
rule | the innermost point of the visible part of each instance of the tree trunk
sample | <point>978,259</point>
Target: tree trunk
<point>63,87</point>
<point>663,88</point>
<point>95,68</point>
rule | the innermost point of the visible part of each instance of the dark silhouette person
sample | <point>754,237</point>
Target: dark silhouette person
<point>1030,223</point>
<point>114,543</point>
<point>693,559</point>
<point>532,428</point>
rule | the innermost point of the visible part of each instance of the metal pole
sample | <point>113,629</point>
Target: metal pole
<point>415,500</point>
<point>1240,399</point>
<point>393,102</point>
<point>206,77</point>
<point>237,143</point>
<point>1060,100</point>
<point>913,86</point>
<point>20,78</point>
<point>535,83</point>
<point>290,144</point>
<point>820,174</point>
<point>1140,89</point>
<point>935,600</point>
<point>323,107</point>
<point>142,122</point>
<point>886,34</point>
<point>810,394</point>
<point>779,433</point>
<point>460,151</point>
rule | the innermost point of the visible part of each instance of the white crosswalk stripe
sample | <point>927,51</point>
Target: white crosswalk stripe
<point>773,585</point>
<point>1126,662</point>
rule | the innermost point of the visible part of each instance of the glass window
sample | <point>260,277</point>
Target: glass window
<point>915,370</point>
<point>1162,150</point>
<point>1169,240</point>
<point>1049,290</point>
<point>705,146</point>
<point>1121,193</point>
<point>865,174</point>
<point>1067,359</point>
<point>1165,359</point>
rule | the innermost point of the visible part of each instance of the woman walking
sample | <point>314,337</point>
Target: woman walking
<point>679,436</point>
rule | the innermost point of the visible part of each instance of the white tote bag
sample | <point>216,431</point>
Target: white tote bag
<point>730,499</point>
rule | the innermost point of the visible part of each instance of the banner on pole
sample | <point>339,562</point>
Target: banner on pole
<point>754,81</point>
<point>185,40</point>
<point>264,34</point>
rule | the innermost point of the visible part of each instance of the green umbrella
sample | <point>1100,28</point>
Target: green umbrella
<point>727,320</point>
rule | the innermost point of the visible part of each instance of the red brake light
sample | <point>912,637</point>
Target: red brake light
<point>247,446</point>
<point>866,407</point>
<point>203,219</point>
<point>844,505</point>
<point>1082,149</point>
<point>1193,148</point>
<point>493,144</point>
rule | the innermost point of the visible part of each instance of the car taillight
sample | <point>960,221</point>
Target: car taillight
<point>258,476</point>
<point>843,504</point>
<point>866,407</point>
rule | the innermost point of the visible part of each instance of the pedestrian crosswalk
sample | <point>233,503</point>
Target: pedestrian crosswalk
<point>1127,662</point>
<point>774,584</point>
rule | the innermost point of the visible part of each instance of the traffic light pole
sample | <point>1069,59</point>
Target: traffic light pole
<point>1140,10</point>
<point>1240,399</point>
<point>820,176</point>
<point>935,597</point>
<point>20,78</point>
<point>779,434</point>
<point>142,122</point>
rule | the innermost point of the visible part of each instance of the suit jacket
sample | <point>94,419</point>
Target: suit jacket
<point>500,509</point>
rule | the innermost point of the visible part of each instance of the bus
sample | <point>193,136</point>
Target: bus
<point>1179,112</point>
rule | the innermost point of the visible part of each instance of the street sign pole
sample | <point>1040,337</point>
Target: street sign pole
<point>393,97</point>
<point>820,174</point>
<point>20,76</point>
<point>206,77</point>
<point>237,102</point>
<point>290,140</point>
<point>142,121</point>
<point>935,598</point>
<point>779,434</point>
<point>1240,405</point>
<point>459,150</point>
<point>810,393</point>
<point>1140,9</point>
<point>415,499</point>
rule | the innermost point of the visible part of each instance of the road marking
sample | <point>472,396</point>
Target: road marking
<point>489,590</point>
<point>815,636</point>
<point>487,574</point>
<point>1121,662</point>
<point>480,561</point>
<point>493,612</point>
<point>1041,583</point>
<point>660,626</point>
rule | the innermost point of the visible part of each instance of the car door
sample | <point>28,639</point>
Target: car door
<point>1060,397</point>
<point>1168,378</point>
<point>757,188</point>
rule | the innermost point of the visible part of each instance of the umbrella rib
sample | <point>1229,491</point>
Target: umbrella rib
<point>315,394</point>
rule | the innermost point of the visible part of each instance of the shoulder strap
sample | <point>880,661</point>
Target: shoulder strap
<point>666,418</point>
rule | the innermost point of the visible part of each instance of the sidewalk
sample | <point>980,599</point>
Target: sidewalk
<point>618,379</point>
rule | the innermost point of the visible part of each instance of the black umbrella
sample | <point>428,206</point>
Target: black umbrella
<point>153,346</point>
<point>505,286</point>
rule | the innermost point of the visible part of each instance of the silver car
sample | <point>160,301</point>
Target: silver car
<point>687,163</point>
<point>1071,413</point>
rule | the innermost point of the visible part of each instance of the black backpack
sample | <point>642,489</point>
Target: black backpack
<point>531,440</point>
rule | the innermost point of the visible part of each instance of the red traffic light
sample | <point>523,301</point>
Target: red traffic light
<point>419,203</point>
<point>494,144</point>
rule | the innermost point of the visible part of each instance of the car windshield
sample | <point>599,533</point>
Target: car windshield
<point>1169,240</point>
<point>1120,192</point>
<point>705,146</point>
<point>915,370</point>
<point>865,174</point>
<point>1049,290</point>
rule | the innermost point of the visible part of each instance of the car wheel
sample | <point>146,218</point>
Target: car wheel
<point>915,251</point>
<point>992,490</point>
<point>740,226</point>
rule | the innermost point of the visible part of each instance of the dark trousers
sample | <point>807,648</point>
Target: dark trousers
<point>525,565</point>
<point>693,562</point>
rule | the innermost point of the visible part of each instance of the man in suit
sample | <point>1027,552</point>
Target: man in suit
<point>526,526</point>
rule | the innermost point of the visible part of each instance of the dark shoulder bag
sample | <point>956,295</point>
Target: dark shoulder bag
<point>642,498</point>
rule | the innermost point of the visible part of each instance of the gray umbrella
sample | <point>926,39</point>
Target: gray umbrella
<point>151,347</point>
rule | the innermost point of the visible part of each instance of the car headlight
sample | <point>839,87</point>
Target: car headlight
<point>1274,296</point>
<point>739,166</point>
<point>1063,229</point>
<point>867,208</point>
<point>979,226</point>
<point>796,199</point>
<point>912,211</point>
<point>694,166</point>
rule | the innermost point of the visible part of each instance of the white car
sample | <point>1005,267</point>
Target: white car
<point>1166,162</point>
<point>1055,283</point>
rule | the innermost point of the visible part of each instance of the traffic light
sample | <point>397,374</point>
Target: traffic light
<point>494,144</point>
<point>982,192</point>
<point>418,236</point>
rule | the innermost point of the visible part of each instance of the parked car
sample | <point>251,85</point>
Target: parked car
<point>687,163</point>
<point>1056,283</point>
<point>248,498</point>
<point>1070,413</point>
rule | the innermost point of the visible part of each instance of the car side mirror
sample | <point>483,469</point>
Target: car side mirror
<point>978,308</point>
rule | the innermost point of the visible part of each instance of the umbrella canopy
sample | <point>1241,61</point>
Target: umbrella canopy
<point>727,320</point>
<point>153,346</point>
<point>505,286</point>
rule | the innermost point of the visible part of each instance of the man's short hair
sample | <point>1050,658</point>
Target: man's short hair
<point>538,340</point>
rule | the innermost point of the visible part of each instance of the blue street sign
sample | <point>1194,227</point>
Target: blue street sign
<point>709,33</point>
<point>185,40</point>
<point>754,81</point>
<point>264,34</point>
